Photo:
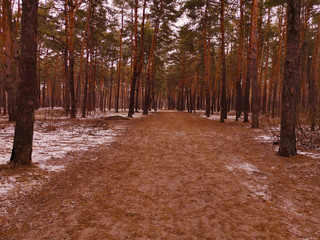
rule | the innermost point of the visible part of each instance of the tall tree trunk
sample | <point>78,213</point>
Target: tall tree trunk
<point>70,22</point>
<point>239,77</point>
<point>43,103</point>
<point>53,87</point>
<point>83,46</point>
<point>150,68</point>
<point>120,62</point>
<point>9,81</point>
<point>101,86</point>
<point>66,65</point>
<point>264,91</point>
<point>246,100</point>
<point>224,67</point>
<point>111,83</point>
<point>38,99</point>
<point>253,73</point>
<point>304,26</point>
<point>138,63</point>
<point>277,78</point>
<point>88,46</point>
<point>290,84</point>
<point>22,145</point>
<point>137,95</point>
<point>206,59</point>
<point>85,87</point>
<point>314,82</point>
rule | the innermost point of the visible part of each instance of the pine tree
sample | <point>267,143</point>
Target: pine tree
<point>22,145</point>
<point>290,83</point>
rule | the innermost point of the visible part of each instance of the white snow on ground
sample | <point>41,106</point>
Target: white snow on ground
<point>258,186</point>
<point>7,185</point>
<point>264,138</point>
<point>309,154</point>
<point>249,168</point>
<point>6,142</point>
<point>269,138</point>
<point>57,143</point>
<point>260,190</point>
<point>98,114</point>
<point>217,117</point>
<point>55,140</point>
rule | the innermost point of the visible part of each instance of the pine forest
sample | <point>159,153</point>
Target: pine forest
<point>159,119</point>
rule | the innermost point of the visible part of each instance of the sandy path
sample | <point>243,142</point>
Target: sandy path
<point>175,176</point>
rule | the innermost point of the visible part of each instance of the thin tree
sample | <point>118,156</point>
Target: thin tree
<point>264,91</point>
<point>150,67</point>
<point>290,83</point>
<point>239,67</point>
<point>120,60</point>
<point>224,66</point>
<point>314,87</point>
<point>22,145</point>
<point>138,60</point>
<point>253,68</point>
<point>83,47</point>
<point>9,81</point>
<point>206,58</point>
<point>70,10</point>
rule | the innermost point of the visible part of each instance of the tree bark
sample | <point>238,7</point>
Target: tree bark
<point>85,87</point>
<point>239,77</point>
<point>314,87</point>
<point>70,9</point>
<point>44,95</point>
<point>66,65</point>
<point>120,62</point>
<point>206,59</point>
<point>290,84</point>
<point>138,63</point>
<point>22,145</point>
<point>150,68</point>
<point>224,67</point>
<point>9,81</point>
<point>111,83</point>
<point>253,73</point>
<point>264,90</point>
<point>53,87</point>
<point>83,46</point>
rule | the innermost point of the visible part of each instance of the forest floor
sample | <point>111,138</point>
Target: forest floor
<point>172,176</point>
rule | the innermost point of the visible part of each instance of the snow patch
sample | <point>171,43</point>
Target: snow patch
<point>270,138</point>
<point>310,154</point>
<point>258,187</point>
<point>56,144</point>
<point>264,138</point>
<point>6,186</point>
<point>54,140</point>
<point>259,190</point>
<point>249,168</point>
<point>217,117</point>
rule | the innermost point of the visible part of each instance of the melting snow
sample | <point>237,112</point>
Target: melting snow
<point>270,138</point>
<point>217,117</point>
<point>249,168</point>
<point>310,154</point>
<point>55,140</point>
<point>259,190</point>
<point>6,186</point>
<point>258,187</point>
<point>56,144</point>
<point>264,138</point>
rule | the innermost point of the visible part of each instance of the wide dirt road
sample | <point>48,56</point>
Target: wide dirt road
<point>176,176</point>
